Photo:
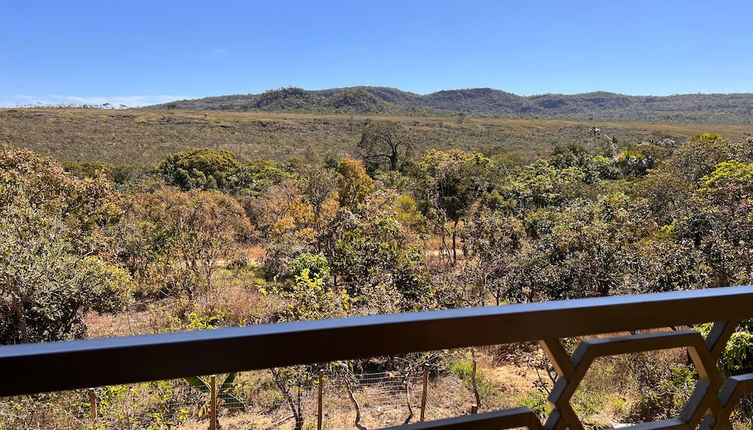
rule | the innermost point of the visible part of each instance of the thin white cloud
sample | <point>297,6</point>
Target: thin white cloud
<point>116,101</point>
<point>218,51</point>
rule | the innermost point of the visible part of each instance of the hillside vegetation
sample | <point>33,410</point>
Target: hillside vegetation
<point>722,108</point>
<point>211,238</point>
<point>148,221</point>
<point>142,137</point>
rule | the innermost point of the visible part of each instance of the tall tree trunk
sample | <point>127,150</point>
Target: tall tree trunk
<point>297,413</point>
<point>23,326</point>
<point>353,400</point>
<point>407,399</point>
<point>444,250</point>
<point>454,242</point>
<point>393,159</point>
<point>473,378</point>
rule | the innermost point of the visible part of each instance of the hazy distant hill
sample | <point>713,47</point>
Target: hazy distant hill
<point>722,108</point>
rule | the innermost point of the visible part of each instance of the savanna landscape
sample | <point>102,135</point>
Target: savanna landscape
<point>364,215</point>
<point>136,221</point>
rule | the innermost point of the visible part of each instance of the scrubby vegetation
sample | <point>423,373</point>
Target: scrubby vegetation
<point>143,138</point>
<point>208,237</point>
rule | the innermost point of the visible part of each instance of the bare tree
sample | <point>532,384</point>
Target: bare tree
<point>288,380</point>
<point>385,141</point>
<point>346,377</point>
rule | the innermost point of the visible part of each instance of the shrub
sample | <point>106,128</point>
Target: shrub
<point>316,264</point>
<point>463,369</point>
<point>202,168</point>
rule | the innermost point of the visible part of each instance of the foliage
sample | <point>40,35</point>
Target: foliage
<point>86,207</point>
<point>48,286</point>
<point>369,254</point>
<point>330,238</point>
<point>316,264</point>
<point>53,250</point>
<point>281,210</point>
<point>730,182</point>
<point>310,298</point>
<point>255,177</point>
<point>121,136</point>
<point>119,174</point>
<point>201,168</point>
<point>448,184</point>
<point>224,390</point>
<point>668,396</point>
<point>537,402</point>
<point>463,370</point>
<point>194,229</point>
<point>699,156</point>
<point>737,357</point>
<point>354,184</point>
<point>540,184</point>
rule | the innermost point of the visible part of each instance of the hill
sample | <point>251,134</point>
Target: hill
<point>691,108</point>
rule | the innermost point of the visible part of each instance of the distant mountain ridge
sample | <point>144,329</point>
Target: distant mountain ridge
<point>723,108</point>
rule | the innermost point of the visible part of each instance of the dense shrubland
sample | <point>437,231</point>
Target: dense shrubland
<point>211,239</point>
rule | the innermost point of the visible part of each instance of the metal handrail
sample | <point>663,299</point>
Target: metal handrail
<point>53,366</point>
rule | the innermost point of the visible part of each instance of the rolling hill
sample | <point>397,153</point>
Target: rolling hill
<point>692,108</point>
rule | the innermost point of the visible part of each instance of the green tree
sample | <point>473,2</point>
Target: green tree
<point>202,168</point>
<point>540,185</point>
<point>448,184</point>
<point>54,250</point>
<point>316,265</point>
<point>255,177</point>
<point>185,234</point>
<point>377,260</point>
<point>47,286</point>
<point>725,222</point>
<point>354,184</point>
<point>699,156</point>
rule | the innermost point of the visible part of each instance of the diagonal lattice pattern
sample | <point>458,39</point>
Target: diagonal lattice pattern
<point>710,405</point>
<point>589,350</point>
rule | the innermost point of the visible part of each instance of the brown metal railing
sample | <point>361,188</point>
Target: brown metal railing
<point>55,366</point>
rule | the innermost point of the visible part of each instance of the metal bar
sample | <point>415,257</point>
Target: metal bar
<point>671,424</point>
<point>720,333</point>
<point>92,405</point>
<point>558,357</point>
<point>702,399</point>
<point>319,398</point>
<point>67,365</point>
<point>497,420</point>
<point>213,402</point>
<point>729,396</point>
<point>424,391</point>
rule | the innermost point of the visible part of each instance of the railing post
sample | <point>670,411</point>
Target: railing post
<point>424,392</point>
<point>213,402</point>
<point>92,404</point>
<point>320,409</point>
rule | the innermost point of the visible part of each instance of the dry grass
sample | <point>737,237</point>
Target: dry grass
<point>144,137</point>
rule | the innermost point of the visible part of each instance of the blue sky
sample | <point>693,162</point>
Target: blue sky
<point>141,52</point>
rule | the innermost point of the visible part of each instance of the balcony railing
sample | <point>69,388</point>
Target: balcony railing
<point>56,366</point>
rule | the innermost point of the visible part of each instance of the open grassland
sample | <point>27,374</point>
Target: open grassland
<point>143,137</point>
